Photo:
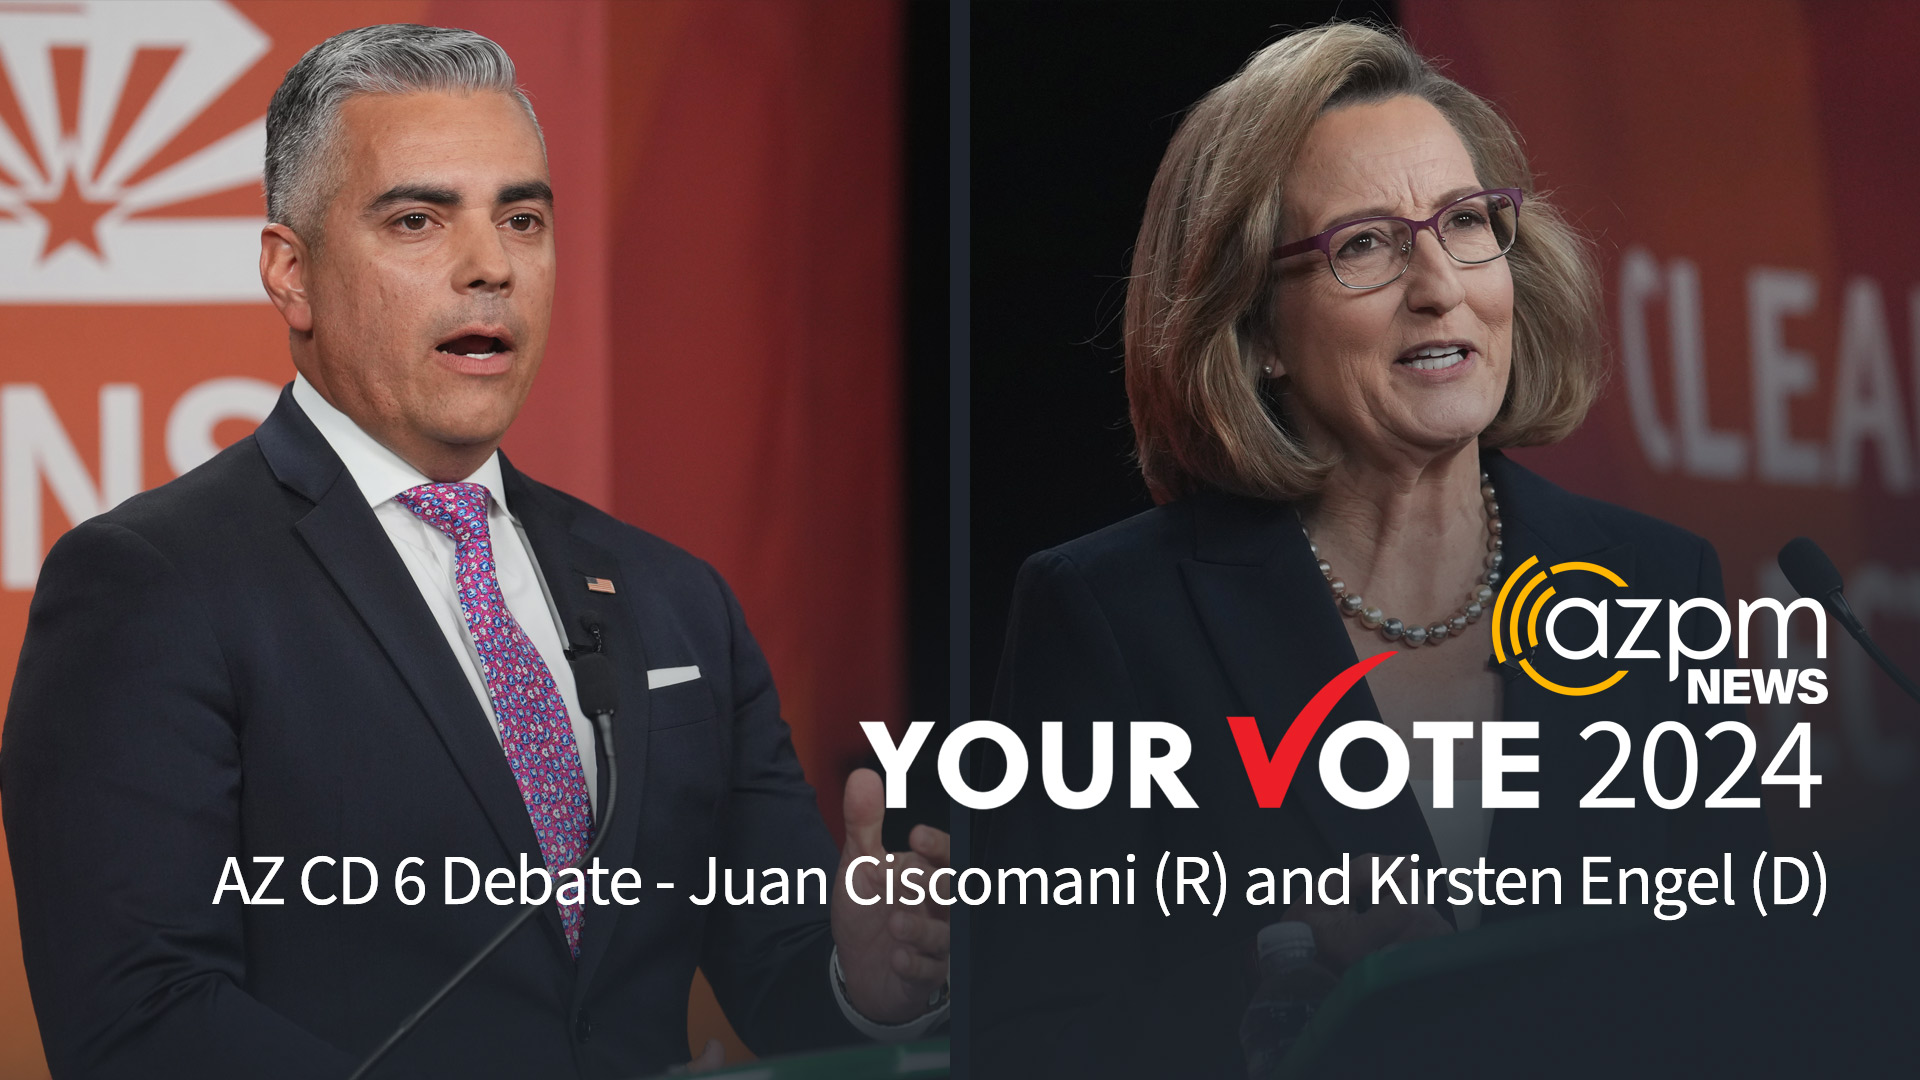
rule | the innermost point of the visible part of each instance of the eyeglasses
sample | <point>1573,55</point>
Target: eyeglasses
<point>1375,251</point>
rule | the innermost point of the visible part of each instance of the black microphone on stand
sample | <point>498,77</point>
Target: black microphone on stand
<point>593,680</point>
<point>1814,576</point>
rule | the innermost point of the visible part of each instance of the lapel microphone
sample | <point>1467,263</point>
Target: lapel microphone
<point>593,672</point>
<point>1814,576</point>
<point>599,693</point>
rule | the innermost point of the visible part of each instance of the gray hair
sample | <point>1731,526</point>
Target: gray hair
<point>396,58</point>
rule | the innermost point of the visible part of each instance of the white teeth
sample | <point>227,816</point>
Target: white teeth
<point>477,355</point>
<point>1435,359</point>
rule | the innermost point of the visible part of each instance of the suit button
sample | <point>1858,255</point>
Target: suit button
<point>582,1028</point>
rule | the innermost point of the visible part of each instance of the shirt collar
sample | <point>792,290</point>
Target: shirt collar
<point>379,472</point>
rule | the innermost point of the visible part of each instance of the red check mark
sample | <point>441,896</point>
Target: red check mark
<point>1272,776</point>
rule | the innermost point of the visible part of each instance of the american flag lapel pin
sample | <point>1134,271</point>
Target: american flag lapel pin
<point>599,584</point>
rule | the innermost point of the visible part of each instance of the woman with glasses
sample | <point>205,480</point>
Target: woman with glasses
<point>1347,299</point>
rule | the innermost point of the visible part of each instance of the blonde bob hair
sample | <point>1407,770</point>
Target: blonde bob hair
<point>1199,304</point>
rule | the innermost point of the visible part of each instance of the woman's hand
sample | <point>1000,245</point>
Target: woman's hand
<point>1343,934</point>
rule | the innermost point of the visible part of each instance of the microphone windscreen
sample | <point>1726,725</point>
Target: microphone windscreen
<point>593,678</point>
<point>1808,569</point>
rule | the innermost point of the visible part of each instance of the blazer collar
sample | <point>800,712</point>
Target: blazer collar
<point>1545,522</point>
<point>1549,521</point>
<point>556,529</point>
<point>349,543</point>
<point>1265,609</point>
<point>296,452</point>
<point>346,538</point>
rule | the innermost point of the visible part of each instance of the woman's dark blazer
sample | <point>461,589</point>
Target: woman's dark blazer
<point>1210,607</point>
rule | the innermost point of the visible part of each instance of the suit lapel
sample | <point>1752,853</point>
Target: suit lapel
<point>1266,611</point>
<point>567,559</point>
<point>351,546</point>
<point>1544,522</point>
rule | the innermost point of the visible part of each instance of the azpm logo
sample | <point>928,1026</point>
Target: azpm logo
<point>1507,618</point>
<point>1524,599</point>
<point>109,192</point>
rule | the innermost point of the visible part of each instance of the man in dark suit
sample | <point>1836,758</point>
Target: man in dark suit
<point>348,635</point>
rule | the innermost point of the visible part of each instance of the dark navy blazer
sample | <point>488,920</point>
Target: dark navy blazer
<point>1210,607</point>
<point>238,663</point>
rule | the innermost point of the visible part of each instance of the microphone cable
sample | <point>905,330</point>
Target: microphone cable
<point>593,679</point>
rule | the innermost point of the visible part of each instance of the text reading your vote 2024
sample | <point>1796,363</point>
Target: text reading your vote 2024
<point>1159,749</point>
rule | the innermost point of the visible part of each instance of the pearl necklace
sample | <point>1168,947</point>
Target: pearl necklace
<point>1353,605</point>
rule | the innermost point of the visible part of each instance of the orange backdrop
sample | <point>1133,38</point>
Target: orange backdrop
<point>723,368</point>
<point>1747,168</point>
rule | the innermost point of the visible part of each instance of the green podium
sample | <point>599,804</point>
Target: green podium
<point>1620,994</point>
<point>1442,975</point>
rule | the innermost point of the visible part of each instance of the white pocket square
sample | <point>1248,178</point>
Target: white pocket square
<point>668,676</point>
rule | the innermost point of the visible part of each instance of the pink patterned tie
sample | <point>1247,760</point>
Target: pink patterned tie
<point>534,727</point>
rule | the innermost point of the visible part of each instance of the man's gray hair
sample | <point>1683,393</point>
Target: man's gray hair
<point>396,58</point>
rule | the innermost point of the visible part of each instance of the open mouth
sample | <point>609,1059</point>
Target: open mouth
<point>474,346</point>
<point>1434,358</point>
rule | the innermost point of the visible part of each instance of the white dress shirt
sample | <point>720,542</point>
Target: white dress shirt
<point>381,474</point>
<point>428,553</point>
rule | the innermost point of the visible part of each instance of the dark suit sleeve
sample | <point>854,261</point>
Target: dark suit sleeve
<point>120,768</point>
<point>1059,991</point>
<point>768,964</point>
<point>1699,833</point>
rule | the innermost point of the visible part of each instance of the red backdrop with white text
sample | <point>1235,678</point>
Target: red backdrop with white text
<point>723,368</point>
<point>1747,169</point>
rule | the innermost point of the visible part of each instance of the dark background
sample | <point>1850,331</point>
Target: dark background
<point>926,435</point>
<point>924,324</point>
<point>1073,106</point>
